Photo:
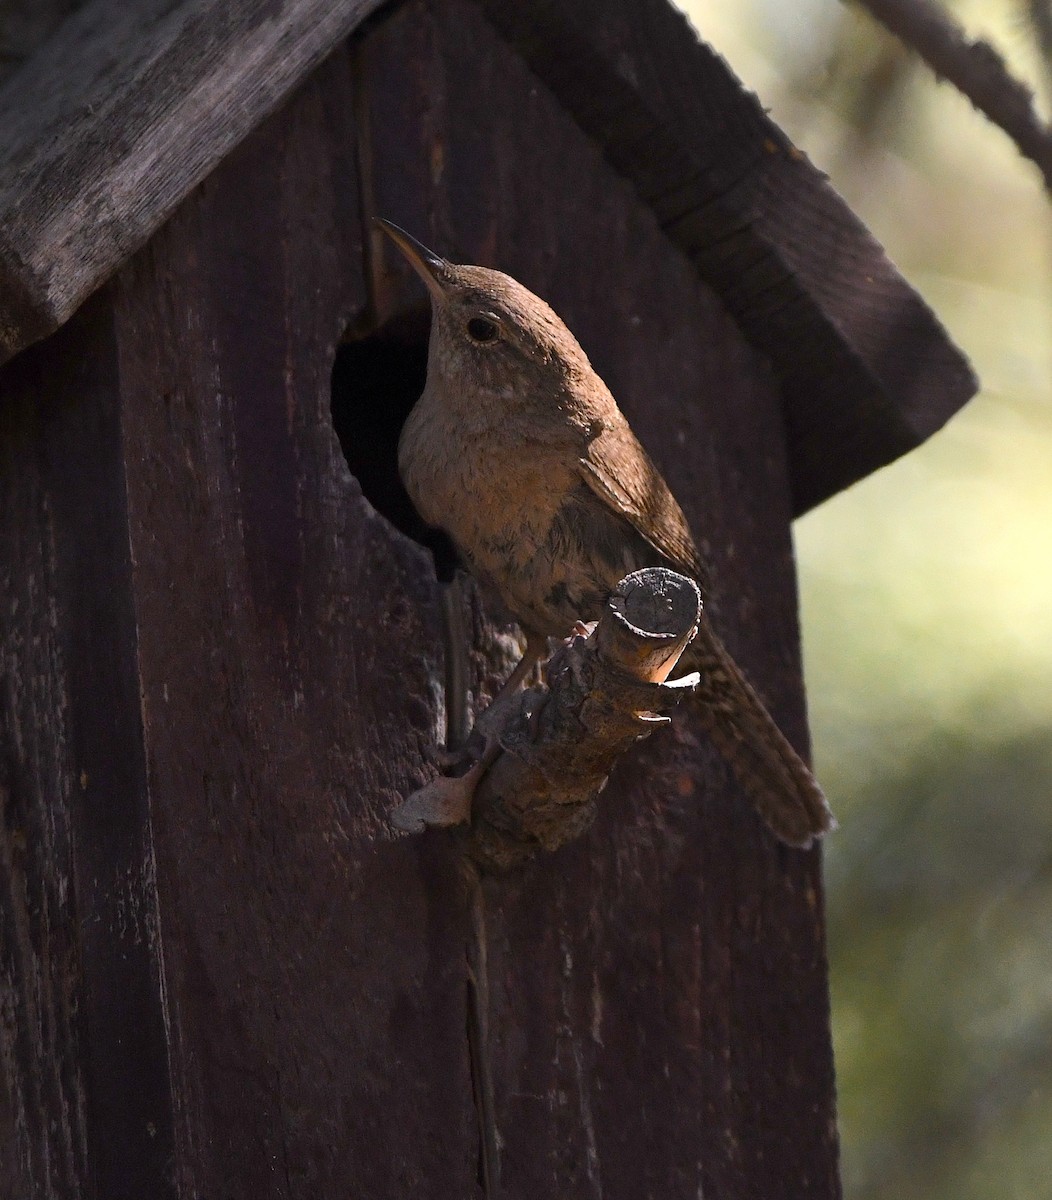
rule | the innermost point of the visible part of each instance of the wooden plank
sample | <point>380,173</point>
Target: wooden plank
<point>290,648</point>
<point>83,1043</point>
<point>118,116</point>
<point>866,369</point>
<point>659,1020</point>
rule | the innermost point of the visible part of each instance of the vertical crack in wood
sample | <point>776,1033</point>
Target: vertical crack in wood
<point>458,716</point>
<point>364,164</point>
<point>458,726</point>
<point>478,1035</point>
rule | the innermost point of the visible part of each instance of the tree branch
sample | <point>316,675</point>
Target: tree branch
<point>1040,12</point>
<point>550,749</point>
<point>974,67</point>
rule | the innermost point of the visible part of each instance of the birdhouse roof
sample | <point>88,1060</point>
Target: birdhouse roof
<point>127,107</point>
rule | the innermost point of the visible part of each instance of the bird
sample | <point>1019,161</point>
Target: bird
<point>517,450</point>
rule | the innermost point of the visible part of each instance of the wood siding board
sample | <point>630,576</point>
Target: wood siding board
<point>84,1004</point>
<point>314,960</point>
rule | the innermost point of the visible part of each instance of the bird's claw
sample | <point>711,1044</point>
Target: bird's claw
<point>442,758</point>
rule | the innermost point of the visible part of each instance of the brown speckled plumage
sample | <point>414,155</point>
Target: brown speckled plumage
<point>517,449</point>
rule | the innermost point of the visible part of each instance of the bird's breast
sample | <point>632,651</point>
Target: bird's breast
<point>484,483</point>
<point>501,495</point>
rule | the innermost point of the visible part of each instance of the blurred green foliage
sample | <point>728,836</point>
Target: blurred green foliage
<point>927,617</point>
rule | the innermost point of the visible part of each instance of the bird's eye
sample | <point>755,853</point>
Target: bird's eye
<point>482,330</point>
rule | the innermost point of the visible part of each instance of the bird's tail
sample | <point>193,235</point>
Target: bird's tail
<point>772,774</point>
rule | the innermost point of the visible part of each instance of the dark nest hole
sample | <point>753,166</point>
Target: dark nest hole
<point>376,380</point>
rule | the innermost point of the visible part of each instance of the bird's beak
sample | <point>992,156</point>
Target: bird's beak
<point>432,269</point>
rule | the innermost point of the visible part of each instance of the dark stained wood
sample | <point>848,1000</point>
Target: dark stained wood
<point>83,1046</point>
<point>119,115</point>
<point>867,371</point>
<point>659,1018</point>
<point>291,665</point>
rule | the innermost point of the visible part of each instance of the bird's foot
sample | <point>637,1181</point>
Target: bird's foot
<point>443,759</point>
<point>566,657</point>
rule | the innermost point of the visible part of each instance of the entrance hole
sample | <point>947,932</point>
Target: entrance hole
<point>376,380</point>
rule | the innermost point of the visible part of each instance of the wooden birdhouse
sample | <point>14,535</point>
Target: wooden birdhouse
<point>229,642</point>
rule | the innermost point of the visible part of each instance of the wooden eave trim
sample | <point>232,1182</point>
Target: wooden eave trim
<point>129,106</point>
<point>867,371</point>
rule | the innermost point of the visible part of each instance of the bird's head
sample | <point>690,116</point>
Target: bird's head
<point>490,333</point>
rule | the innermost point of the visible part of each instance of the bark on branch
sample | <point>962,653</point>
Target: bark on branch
<point>974,67</point>
<point>559,741</point>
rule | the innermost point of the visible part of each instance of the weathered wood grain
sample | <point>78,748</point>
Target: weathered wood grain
<point>291,662</point>
<point>866,369</point>
<point>118,116</point>
<point>83,1047</point>
<point>659,1018</point>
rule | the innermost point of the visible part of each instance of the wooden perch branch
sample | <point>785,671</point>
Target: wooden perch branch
<point>558,742</point>
<point>974,67</point>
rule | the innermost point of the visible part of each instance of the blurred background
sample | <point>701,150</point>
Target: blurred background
<point>927,622</point>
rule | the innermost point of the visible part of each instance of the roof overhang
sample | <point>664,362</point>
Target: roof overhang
<point>120,114</point>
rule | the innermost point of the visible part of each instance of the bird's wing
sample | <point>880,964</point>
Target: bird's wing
<point>617,468</point>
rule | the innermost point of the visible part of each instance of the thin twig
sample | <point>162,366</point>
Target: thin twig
<point>975,68</point>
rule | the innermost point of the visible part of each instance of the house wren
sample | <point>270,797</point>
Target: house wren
<point>518,451</point>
